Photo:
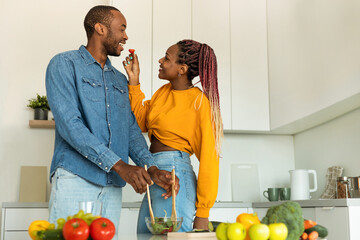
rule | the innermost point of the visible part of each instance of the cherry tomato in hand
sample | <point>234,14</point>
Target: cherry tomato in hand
<point>131,50</point>
<point>102,229</point>
<point>76,229</point>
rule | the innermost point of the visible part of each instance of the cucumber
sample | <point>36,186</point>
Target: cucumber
<point>51,234</point>
<point>321,230</point>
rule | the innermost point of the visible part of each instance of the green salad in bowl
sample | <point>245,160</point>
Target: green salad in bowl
<point>163,225</point>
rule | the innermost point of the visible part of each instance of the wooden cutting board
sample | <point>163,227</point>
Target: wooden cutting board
<point>190,235</point>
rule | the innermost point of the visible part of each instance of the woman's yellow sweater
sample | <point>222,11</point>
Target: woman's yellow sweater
<point>181,119</point>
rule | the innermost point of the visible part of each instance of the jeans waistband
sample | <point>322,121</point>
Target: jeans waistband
<point>172,154</point>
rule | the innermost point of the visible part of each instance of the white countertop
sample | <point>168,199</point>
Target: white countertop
<point>230,204</point>
<point>314,203</point>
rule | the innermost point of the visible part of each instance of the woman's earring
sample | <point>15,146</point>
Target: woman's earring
<point>179,75</point>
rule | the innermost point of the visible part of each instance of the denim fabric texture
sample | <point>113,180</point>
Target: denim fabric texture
<point>68,190</point>
<point>185,199</point>
<point>95,126</point>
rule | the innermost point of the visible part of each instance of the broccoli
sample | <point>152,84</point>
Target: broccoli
<point>289,213</point>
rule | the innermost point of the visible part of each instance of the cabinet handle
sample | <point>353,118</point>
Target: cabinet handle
<point>327,208</point>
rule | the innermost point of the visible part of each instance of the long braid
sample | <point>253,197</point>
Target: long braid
<point>201,60</point>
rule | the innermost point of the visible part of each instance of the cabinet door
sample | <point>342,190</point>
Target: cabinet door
<point>171,23</point>
<point>211,25</point>
<point>128,221</point>
<point>309,213</point>
<point>354,222</point>
<point>249,65</point>
<point>226,214</point>
<point>336,220</point>
<point>138,14</point>
<point>17,219</point>
<point>23,235</point>
<point>261,212</point>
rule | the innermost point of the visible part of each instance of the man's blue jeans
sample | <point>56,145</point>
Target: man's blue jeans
<point>68,190</point>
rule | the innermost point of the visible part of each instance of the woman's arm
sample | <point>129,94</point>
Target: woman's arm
<point>136,96</point>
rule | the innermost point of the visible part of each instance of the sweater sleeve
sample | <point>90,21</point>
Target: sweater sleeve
<point>208,178</point>
<point>140,109</point>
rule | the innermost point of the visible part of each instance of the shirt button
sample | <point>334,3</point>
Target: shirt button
<point>122,91</point>
<point>107,88</point>
<point>109,142</point>
<point>109,124</point>
<point>93,84</point>
<point>86,156</point>
<point>105,168</point>
<point>108,105</point>
<point>99,163</point>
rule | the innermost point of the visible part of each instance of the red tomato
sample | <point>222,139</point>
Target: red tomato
<point>76,229</point>
<point>102,229</point>
<point>131,50</point>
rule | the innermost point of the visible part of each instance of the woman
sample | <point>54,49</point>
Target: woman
<point>181,120</point>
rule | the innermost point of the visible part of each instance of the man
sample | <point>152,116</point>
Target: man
<point>96,131</point>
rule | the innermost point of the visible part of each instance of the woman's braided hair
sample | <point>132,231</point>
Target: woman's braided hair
<point>201,60</point>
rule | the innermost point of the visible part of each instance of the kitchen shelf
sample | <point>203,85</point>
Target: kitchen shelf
<point>42,123</point>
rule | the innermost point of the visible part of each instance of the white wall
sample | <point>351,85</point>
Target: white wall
<point>335,143</point>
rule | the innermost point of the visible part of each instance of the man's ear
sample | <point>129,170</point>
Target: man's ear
<point>100,29</point>
<point>183,69</point>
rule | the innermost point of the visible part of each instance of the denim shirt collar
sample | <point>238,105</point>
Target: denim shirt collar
<point>89,59</point>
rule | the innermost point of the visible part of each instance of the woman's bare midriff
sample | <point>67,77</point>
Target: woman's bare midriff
<point>157,146</point>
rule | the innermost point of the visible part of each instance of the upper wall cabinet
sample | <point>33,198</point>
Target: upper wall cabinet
<point>138,16</point>
<point>314,61</point>
<point>249,65</point>
<point>211,25</point>
<point>235,29</point>
<point>171,23</point>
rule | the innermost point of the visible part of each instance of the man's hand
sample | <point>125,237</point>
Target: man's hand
<point>201,223</point>
<point>136,176</point>
<point>164,180</point>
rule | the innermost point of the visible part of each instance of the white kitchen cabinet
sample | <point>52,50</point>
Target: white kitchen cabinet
<point>336,220</point>
<point>16,221</point>
<point>139,31</point>
<point>314,54</point>
<point>226,214</point>
<point>215,31</point>
<point>249,65</point>
<point>17,217</point>
<point>128,221</point>
<point>171,23</point>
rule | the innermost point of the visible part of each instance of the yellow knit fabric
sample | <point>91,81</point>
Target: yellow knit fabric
<point>181,119</point>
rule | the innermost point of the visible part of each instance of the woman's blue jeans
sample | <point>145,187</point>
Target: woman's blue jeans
<point>185,199</point>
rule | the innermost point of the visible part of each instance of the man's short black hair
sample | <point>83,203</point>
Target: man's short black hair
<point>98,14</point>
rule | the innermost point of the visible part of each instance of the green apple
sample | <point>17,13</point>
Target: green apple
<point>236,231</point>
<point>278,231</point>
<point>221,231</point>
<point>259,232</point>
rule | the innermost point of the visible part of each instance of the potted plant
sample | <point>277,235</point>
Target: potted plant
<point>40,106</point>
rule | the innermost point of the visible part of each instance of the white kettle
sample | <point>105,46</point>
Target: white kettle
<point>299,179</point>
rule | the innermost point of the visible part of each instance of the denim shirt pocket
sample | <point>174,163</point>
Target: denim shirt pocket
<point>120,95</point>
<point>93,89</point>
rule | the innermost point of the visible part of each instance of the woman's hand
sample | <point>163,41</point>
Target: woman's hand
<point>201,223</point>
<point>131,65</point>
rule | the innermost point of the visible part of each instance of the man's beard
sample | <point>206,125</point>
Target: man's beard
<point>111,45</point>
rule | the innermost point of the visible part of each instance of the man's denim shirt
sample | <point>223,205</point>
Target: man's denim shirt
<point>95,126</point>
